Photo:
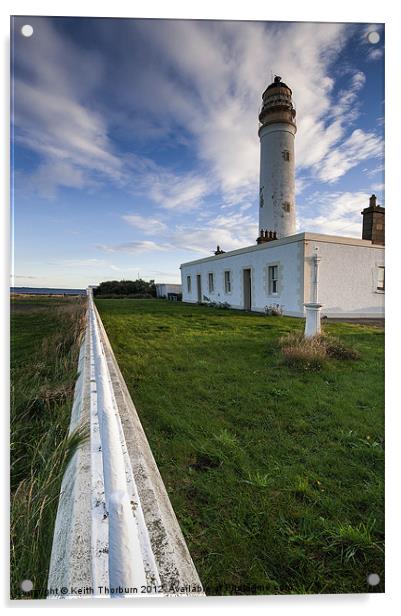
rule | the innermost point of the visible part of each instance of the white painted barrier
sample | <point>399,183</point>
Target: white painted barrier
<point>121,558</point>
<point>126,562</point>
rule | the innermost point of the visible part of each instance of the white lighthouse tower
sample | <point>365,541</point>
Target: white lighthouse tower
<point>277,163</point>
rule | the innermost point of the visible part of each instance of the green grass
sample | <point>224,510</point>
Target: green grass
<point>45,339</point>
<point>275,475</point>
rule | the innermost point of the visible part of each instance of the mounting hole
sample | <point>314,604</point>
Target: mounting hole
<point>27,585</point>
<point>373,579</point>
<point>373,37</point>
<point>27,30</point>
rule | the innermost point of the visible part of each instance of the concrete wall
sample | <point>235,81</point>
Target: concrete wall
<point>91,542</point>
<point>347,276</point>
<point>286,254</point>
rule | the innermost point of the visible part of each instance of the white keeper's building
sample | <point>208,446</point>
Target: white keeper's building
<point>279,269</point>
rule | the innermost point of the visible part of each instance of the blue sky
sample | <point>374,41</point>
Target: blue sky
<point>135,143</point>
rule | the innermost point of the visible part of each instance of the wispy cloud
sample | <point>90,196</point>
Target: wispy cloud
<point>55,118</point>
<point>174,192</point>
<point>358,147</point>
<point>133,247</point>
<point>136,115</point>
<point>212,92</point>
<point>375,54</point>
<point>335,213</point>
<point>228,231</point>
<point>146,224</point>
<point>377,187</point>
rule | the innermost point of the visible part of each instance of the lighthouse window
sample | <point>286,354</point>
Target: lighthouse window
<point>286,155</point>
<point>273,279</point>
<point>227,282</point>
<point>380,278</point>
<point>189,284</point>
<point>211,282</point>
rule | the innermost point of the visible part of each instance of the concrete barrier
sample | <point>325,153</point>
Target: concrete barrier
<point>116,534</point>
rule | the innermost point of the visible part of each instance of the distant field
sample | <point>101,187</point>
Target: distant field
<point>45,339</point>
<point>276,476</point>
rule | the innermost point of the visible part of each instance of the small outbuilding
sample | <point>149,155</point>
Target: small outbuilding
<point>168,291</point>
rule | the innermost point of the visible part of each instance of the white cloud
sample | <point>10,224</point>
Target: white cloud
<point>227,69</point>
<point>82,265</point>
<point>379,187</point>
<point>147,225</point>
<point>335,213</point>
<point>207,98</point>
<point>358,147</point>
<point>51,119</point>
<point>375,54</point>
<point>133,247</point>
<point>229,232</point>
<point>375,170</point>
<point>175,192</point>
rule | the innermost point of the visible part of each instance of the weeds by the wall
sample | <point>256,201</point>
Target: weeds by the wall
<point>45,347</point>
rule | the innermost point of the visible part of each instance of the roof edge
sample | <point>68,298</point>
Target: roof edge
<point>298,237</point>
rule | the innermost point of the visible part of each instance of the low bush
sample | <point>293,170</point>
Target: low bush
<point>311,353</point>
<point>212,304</point>
<point>335,348</point>
<point>125,288</point>
<point>129,296</point>
<point>274,310</point>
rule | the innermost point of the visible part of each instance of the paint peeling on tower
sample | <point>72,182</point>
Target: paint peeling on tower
<point>277,130</point>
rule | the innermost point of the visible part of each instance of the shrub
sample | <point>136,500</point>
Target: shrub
<point>118,288</point>
<point>212,304</point>
<point>311,353</point>
<point>335,348</point>
<point>129,296</point>
<point>274,310</point>
<point>303,353</point>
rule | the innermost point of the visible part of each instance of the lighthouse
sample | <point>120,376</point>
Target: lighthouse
<point>277,130</point>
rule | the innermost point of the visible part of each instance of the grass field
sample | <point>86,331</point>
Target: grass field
<point>275,474</point>
<point>45,338</point>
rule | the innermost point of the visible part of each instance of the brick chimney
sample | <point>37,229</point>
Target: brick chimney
<point>266,236</point>
<point>373,222</point>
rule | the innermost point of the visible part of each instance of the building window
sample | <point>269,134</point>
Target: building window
<point>211,282</point>
<point>380,278</point>
<point>286,155</point>
<point>273,279</point>
<point>189,284</point>
<point>227,282</point>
